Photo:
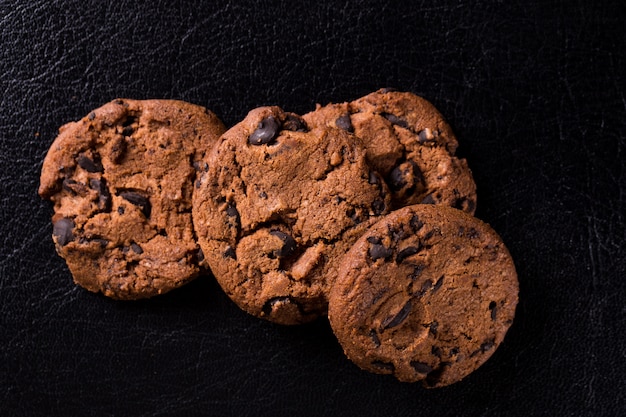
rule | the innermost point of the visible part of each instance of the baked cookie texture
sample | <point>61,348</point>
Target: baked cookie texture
<point>121,180</point>
<point>278,205</point>
<point>426,294</point>
<point>409,143</point>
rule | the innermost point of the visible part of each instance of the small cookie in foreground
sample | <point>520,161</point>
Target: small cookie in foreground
<point>121,181</point>
<point>427,293</point>
<point>278,206</point>
<point>409,143</point>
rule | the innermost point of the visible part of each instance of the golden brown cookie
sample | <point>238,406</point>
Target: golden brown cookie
<point>121,181</point>
<point>409,143</point>
<point>427,293</point>
<point>278,206</point>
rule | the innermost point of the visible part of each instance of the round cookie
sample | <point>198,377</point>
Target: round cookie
<point>427,293</point>
<point>409,143</point>
<point>121,181</point>
<point>278,206</point>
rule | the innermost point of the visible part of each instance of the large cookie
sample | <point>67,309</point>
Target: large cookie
<point>409,143</point>
<point>121,181</point>
<point>278,206</point>
<point>427,293</point>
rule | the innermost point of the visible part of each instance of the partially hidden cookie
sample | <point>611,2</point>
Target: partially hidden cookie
<point>278,206</point>
<point>427,293</point>
<point>409,143</point>
<point>121,181</point>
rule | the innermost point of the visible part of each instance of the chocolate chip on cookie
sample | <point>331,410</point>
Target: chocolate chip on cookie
<point>121,181</point>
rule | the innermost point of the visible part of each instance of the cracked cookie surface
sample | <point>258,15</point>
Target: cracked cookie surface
<point>121,180</point>
<point>276,208</point>
<point>427,293</point>
<point>409,143</point>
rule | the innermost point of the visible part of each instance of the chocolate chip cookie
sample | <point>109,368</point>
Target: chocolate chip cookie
<point>427,293</point>
<point>279,204</point>
<point>121,181</point>
<point>409,143</point>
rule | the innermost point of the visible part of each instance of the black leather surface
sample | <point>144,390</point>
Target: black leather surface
<point>535,92</point>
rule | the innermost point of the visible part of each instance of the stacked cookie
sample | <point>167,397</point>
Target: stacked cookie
<point>358,210</point>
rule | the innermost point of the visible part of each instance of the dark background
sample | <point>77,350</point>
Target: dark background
<point>533,89</point>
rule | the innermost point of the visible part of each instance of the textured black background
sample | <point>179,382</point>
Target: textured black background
<point>535,92</point>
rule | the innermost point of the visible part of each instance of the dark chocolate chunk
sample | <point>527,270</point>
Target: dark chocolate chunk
<point>74,187</point>
<point>85,241</point>
<point>494,308</point>
<point>265,132</point>
<point>428,199</point>
<point>374,178</point>
<point>104,196</point>
<point>433,377</point>
<point>127,131</point>
<point>88,164</point>
<point>295,123</point>
<point>396,179</point>
<point>120,210</point>
<point>426,135</point>
<point>484,347</point>
<point>63,231</point>
<point>378,206</point>
<point>233,219</point>
<point>426,285</point>
<point>378,251</point>
<point>352,214</point>
<point>438,284</point>
<point>200,255</point>
<point>487,345</point>
<point>396,320</point>
<point>395,120</point>
<point>373,239</point>
<point>405,177</point>
<point>374,336</point>
<point>421,367</point>
<point>117,150</point>
<point>138,200</point>
<point>269,304</point>
<point>231,211</point>
<point>344,122</point>
<point>406,252</point>
<point>230,253</point>
<point>102,242</point>
<point>136,248</point>
<point>417,271</point>
<point>433,328</point>
<point>415,223</point>
<point>289,244</point>
<point>200,166</point>
<point>384,366</point>
<point>129,121</point>
<point>91,116</point>
<point>471,205</point>
<point>465,204</point>
<point>396,233</point>
<point>436,351</point>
